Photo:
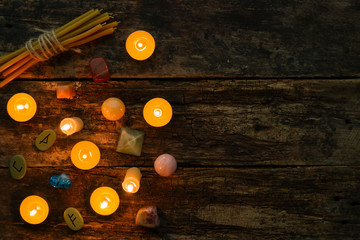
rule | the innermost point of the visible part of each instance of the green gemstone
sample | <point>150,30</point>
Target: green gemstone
<point>130,141</point>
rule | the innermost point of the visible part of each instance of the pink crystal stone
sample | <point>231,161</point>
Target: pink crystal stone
<point>165,165</point>
<point>147,217</point>
<point>99,69</point>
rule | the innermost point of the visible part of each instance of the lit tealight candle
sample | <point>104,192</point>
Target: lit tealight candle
<point>21,107</point>
<point>85,155</point>
<point>104,200</point>
<point>71,125</point>
<point>113,109</point>
<point>34,209</point>
<point>157,112</point>
<point>132,179</point>
<point>140,45</point>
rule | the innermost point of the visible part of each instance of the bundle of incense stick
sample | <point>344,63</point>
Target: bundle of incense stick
<point>87,27</point>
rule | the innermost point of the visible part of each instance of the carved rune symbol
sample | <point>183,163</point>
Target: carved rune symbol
<point>72,220</point>
<point>45,139</point>
<point>19,170</point>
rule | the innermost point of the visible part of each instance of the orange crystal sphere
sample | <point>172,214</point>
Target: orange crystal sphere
<point>113,109</point>
<point>140,45</point>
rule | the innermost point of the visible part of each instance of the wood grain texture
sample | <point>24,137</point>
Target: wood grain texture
<point>260,159</point>
<point>195,203</point>
<point>215,122</point>
<point>205,38</point>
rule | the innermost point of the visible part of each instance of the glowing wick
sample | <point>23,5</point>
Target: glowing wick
<point>66,127</point>
<point>84,156</point>
<point>130,187</point>
<point>22,107</point>
<point>157,112</point>
<point>34,211</point>
<point>105,204</point>
<point>139,46</point>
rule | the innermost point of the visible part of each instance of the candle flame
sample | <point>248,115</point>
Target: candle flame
<point>105,204</point>
<point>33,212</point>
<point>66,127</point>
<point>130,187</point>
<point>139,45</point>
<point>157,112</point>
<point>22,107</point>
<point>84,156</point>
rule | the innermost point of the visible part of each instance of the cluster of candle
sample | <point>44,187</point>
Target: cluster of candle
<point>85,155</point>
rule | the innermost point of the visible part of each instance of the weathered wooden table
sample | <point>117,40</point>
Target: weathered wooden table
<point>266,124</point>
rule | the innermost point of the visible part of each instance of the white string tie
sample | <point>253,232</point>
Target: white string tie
<point>49,46</point>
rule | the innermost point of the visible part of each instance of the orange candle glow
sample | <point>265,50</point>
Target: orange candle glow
<point>140,45</point>
<point>157,112</point>
<point>21,107</point>
<point>85,155</point>
<point>34,209</point>
<point>71,125</point>
<point>104,200</point>
<point>132,179</point>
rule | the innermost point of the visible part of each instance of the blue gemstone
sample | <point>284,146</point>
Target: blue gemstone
<point>61,181</point>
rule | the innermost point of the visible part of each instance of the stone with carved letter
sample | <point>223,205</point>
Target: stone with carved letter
<point>17,167</point>
<point>45,140</point>
<point>73,219</point>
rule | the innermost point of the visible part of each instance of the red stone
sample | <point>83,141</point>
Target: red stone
<point>99,69</point>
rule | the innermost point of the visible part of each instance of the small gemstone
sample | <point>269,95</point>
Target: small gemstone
<point>147,217</point>
<point>60,181</point>
<point>65,91</point>
<point>99,69</point>
<point>130,141</point>
<point>165,165</point>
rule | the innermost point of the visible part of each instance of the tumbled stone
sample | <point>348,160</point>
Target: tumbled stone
<point>45,140</point>
<point>99,69</point>
<point>60,181</point>
<point>73,219</point>
<point>17,167</point>
<point>147,217</point>
<point>130,141</point>
<point>66,91</point>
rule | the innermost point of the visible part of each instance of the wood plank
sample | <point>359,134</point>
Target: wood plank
<point>215,122</point>
<point>196,203</point>
<point>223,38</point>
